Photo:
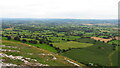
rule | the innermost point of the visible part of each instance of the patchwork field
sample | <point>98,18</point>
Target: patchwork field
<point>63,39</point>
<point>71,44</point>
<point>59,42</point>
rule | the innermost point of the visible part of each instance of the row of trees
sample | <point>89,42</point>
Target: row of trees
<point>39,41</point>
<point>26,40</point>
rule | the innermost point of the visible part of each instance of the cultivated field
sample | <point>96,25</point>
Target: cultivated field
<point>71,44</point>
<point>99,53</point>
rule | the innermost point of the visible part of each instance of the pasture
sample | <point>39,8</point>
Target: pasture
<point>71,44</point>
<point>63,39</point>
<point>100,54</point>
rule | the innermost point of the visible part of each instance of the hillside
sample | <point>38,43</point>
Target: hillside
<point>99,54</point>
<point>16,53</point>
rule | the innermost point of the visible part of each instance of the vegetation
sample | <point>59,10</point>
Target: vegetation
<point>72,38</point>
<point>71,44</point>
<point>28,51</point>
<point>96,54</point>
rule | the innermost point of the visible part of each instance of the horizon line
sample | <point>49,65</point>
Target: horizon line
<point>54,18</point>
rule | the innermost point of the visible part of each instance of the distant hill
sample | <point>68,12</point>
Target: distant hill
<point>45,20</point>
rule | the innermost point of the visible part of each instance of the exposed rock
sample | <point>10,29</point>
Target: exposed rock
<point>25,60</point>
<point>54,58</point>
<point>4,50</point>
<point>8,64</point>
<point>72,62</point>
<point>8,46</point>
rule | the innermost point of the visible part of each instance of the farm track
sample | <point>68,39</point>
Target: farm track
<point>110,58</point>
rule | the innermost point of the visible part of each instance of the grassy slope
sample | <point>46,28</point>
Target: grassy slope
<point>25,49</point>
<point>71,44</point>
<point>43,46</point>
<point>93,54</point>
<point>114,58</point>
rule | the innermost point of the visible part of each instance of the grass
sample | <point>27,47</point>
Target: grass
<point>63,39</point>
<point>97,54</point>
<point>57,39</point>
<point>115,42</point>
<point>86,40</point>
<point>25,49</point>
<point>71,44</point>
<point>114,58</point>
<point>7,60</point>
<point>12,53</point>
<point>43,46</point>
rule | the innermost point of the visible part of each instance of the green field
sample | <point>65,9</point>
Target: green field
<point>71,44</point>
<point>63,39</point>
<point>100,53</point>
<point>115,42</point>
<point>86,40</point>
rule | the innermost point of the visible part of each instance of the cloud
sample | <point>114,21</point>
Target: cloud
<point>59,8</point>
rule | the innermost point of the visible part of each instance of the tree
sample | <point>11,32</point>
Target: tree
<point>9,38</point>
<point>41,41</point>
<point>51,45</point>
<point>24,40</point>
<point>37,38</point>
<point>34,42</point>
<point>17,38</point>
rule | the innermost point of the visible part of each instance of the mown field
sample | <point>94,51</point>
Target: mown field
<point>63,39</point>
<point>71,44</point>
<point>28,51</point>
<point>100,54</point>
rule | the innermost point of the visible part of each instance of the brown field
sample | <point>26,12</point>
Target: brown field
<point>8,29</point>
<point>104,31</point>
<point>101,39</point>
<point>116,28</point>
<point>117,38</point>
<point>87,24</point>
<point>0,31</point>
<point>105,24</point>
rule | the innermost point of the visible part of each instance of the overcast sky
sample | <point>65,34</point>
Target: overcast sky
<point>80,9</point>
